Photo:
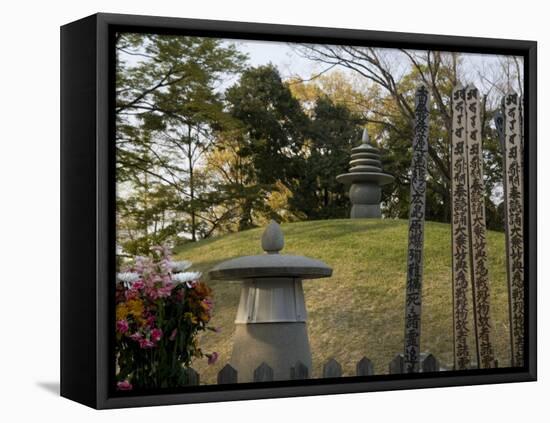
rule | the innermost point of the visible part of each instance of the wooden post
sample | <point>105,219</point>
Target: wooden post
<point>513,197</point>
<point>478,232</point>
<point>413,298</point>
<point>460,233</point>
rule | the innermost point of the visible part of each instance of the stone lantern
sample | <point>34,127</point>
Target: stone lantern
<point>271,318</point>
<point>365,178</point>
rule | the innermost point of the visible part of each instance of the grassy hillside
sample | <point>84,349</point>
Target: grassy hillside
<point>359,310</point>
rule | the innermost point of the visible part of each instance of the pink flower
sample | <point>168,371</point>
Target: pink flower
<point>138,285</point>
<point>124,385</point>
<point>122,326</point>
<point>212,358</point>
<point>145,343</point>
<point>207,304</point>
<point>151,320</point>
<point>165,291</point>
<point>156,334</point>
<point>152,293</point>
<point>173,334</point>
<point>131,294</point>
<point>136,336</point>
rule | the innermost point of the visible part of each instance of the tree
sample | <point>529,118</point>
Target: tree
<point>394,114</point>
<point>272,134</point>
<point>168,107</point>
<point>333,132</point>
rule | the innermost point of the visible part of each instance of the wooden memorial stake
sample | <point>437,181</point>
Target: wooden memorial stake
<point>513,197</point>
<point>413,298</point>
<point>478,232</point>
<point>460,233</point>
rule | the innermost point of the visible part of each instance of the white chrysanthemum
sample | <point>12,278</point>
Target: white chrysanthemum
<point>186,277</point>
<point>127,277</point>
<point>180,266</point>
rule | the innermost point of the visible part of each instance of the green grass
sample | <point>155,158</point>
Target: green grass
<point>359,310</point>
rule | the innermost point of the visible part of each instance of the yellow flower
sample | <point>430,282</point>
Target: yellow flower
<point>132,308</point>
<point>190,316</point>
<point>135,307</point>
<point>121,311</point>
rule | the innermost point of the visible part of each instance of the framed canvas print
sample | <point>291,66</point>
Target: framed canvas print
<point>255,211</point>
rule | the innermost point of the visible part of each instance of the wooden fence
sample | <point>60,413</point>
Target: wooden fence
<point>331,369</point>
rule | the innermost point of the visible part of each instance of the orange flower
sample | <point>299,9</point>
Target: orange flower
<point>202,290</point>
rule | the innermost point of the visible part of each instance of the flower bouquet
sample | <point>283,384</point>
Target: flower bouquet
<point>160,310</point>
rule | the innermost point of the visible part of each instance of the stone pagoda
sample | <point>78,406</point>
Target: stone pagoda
<point>271,318</point>
<point>365,178</point>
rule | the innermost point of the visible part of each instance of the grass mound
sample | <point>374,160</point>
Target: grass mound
<point>359,311</point>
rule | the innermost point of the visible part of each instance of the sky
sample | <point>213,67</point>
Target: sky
<point>291,64</point>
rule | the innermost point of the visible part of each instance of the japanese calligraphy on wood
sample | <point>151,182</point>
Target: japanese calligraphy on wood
<point>513,197</point>
<point>413,298</point>
<point>460,232</point>
<point>478,232</point>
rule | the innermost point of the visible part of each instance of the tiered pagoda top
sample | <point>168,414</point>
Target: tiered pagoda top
<point>365,165</point>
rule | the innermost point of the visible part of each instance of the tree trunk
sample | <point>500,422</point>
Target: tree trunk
<point>191,187</point>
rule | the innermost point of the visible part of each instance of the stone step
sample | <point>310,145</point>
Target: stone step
<point>373,156</point>
<point>363,148</point>
<point>365,169</point>
<point>366,162</point>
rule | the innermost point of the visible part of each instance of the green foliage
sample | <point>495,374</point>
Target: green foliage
<point>334,130</point>
<point>274,124</point>
<point>198,156</point>
<point>282,143</point>
<point>168,110</point>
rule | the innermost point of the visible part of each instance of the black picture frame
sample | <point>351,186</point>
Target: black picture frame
<point>87,208</point>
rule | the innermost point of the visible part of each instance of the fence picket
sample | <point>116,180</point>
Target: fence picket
<point>263,373</point>
<point>397,364</point>
<point>193,378</point>
<point>332,369</point>
<point>299,371</point>
<point>364,367</point>
<point>227,375</point>
<point>430,364</point>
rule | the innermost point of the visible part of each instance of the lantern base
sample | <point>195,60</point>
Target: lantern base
<point>279,345</point>
<point>365,200</point>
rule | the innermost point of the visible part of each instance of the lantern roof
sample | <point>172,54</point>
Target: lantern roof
<point>271,264</point>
